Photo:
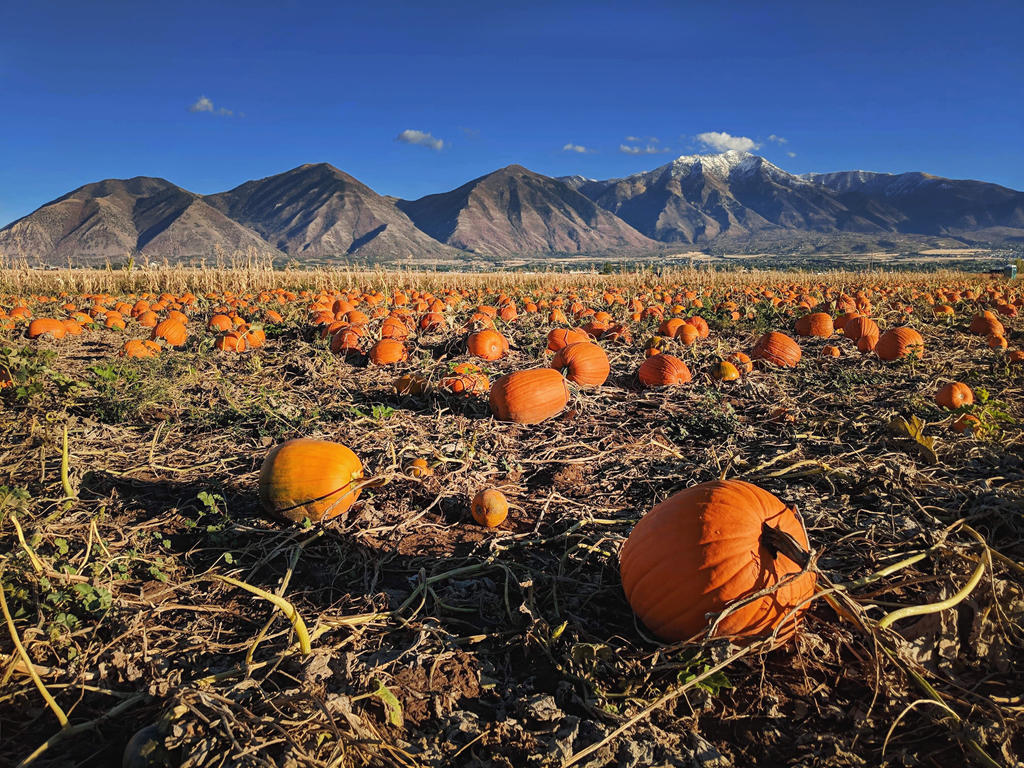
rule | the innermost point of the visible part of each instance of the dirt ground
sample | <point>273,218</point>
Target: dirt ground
<point>435,642</point>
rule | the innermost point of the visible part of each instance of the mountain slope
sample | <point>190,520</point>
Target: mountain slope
<point>922,203</point>
<point>114,218</point>
<point>697,198</point>
<point>516,211</point>
<point>319,211</point>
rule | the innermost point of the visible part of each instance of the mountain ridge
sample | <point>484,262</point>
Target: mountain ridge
<point>318,213</point>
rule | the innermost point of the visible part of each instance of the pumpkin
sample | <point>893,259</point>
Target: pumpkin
<point>137,348</point>
<point>861,326</point>
<point>671,326</point>
<point>707,546</point>
<point>309,478</point>
<point>583,363</point>
<point>466,378</point>
<point>815,324</point>
<point>996,341</point>
<point>347,339</point>
<point>419,468</point>
<point>830,350</point>
<point>563,337</point>
<point>46,326</point>
<point>700,324</point>
<point>954,395</point>
<point>232,341</point>
<point>968,422</point>
<point>778,349</point>
<point>171,331</point>
<point>663,370</point>
<point>742,361</point>
<point>489,508</point>
<point>987,324</point>
<point>529,397</point>
<point>388,352</point>
<point>487,344</point>
<point>220,323</point>
<point>725,371</point>
<point>899,342</point>
<point>410,384</point>
<point>688,334</point>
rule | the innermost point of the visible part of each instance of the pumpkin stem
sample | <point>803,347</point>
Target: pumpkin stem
<point>779,542</point>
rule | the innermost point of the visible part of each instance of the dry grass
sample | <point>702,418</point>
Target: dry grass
<point>434,642</point>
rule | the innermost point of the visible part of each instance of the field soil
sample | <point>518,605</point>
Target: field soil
<point>138,564</point>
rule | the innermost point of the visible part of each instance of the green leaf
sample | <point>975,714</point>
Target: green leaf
<point>392,705</point>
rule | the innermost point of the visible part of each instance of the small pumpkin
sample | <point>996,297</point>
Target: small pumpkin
<point>954,395</point>
<point>489,508</point>
<point>309,478</point>
<point>487,344</point>
<point>725,371</point>
<point>466,378</point>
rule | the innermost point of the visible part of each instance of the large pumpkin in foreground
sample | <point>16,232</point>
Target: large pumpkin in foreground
<point>529,397</point>
<point>705,547</point>
<point>309,478</point>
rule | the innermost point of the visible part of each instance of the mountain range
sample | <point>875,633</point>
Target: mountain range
<point>319,214</point>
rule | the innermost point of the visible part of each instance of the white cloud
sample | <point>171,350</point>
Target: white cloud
<point>721,141</point>
<point>650,149</point>
<point>642,139</point>
<point>791,154</point>
<point>777,139</point>
<point>633,139</point>
<point>421,138</point>
<point>570,147</point>
<point>203,104</point>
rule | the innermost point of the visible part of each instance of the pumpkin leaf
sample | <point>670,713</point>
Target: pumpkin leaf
<point>913,428</point>
<point>392,706</point>
<point>589,652</point>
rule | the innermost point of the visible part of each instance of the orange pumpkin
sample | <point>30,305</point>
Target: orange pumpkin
<point>466,378</point>
<point>46,326</point>
<point>583,363</point>
<point>899,342</point>
<point>688,334</point>
<point>489,508</point>
<point>742,361</point>
<point>529,397</point>
<point>815,324</point>
<point>778,349</point>
<point>388,352</point>
<point>707,546</point>
<point>986,324</point>
<point>171,330</point>
<point>309,478</point>
<point>487,344</point>
<point>663,370</point>
<point>563,337</point>
<point>954,395</point>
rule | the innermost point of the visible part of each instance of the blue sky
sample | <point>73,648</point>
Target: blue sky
<point>115,89</point>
